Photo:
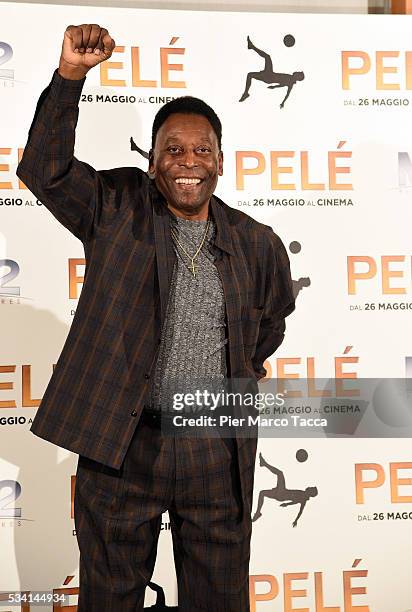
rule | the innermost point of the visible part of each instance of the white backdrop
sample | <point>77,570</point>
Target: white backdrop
<point>327,178</point>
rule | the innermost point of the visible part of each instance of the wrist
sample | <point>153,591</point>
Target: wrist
<point>73,73</point>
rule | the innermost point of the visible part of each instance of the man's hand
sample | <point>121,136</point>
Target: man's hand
<point>84,46</point>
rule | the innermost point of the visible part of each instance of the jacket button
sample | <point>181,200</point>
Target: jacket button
<point>147,376</point>
<point>133,413</point>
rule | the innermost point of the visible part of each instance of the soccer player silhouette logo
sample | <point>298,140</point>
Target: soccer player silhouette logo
<point>135,147</point>
<point>160,605</point>
<point>289,497</point>
<point>268,75</point>
<point>295,247</point>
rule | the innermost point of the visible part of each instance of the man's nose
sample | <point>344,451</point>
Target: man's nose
<point>189,159</point>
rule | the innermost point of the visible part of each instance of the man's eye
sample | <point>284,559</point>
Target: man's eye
<point>204,149</point>
<point>173,149</point>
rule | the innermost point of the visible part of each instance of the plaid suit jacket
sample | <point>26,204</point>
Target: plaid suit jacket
<point>94,398</point>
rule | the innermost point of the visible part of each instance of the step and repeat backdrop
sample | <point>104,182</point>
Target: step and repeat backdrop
<point>317,140</point>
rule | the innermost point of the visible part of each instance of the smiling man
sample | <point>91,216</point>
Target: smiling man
<point>186,158</point>
<point>177,286</point>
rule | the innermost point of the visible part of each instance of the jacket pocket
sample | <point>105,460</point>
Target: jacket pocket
<point>251,318</point>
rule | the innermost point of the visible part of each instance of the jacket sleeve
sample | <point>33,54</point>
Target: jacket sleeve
<point>279,303</point>
<point>70,189</point>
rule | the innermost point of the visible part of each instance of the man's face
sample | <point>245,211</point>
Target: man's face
<point>186,162</point>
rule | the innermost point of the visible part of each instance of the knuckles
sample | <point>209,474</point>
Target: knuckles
<point>86,27</point>
<point>94,33</point>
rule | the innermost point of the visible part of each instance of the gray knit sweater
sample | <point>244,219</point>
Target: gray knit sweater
<point>192,347</point>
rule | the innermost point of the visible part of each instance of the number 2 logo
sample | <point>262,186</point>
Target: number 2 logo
<point>5,500</point>
<point>6,55</point>
<point>6,290</point>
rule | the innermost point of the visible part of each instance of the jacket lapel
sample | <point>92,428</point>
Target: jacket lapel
<point>227,265</point>
<point>165,255</point>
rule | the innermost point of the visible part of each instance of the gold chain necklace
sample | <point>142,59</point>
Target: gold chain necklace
<point>192,266</point>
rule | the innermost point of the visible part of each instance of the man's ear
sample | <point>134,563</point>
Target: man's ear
<point>220,163</point>
<point>151,171</point>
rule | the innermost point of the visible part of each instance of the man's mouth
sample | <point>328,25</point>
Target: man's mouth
<point>187,181</point>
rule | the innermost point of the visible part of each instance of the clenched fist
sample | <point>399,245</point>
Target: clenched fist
<point>84,46</point>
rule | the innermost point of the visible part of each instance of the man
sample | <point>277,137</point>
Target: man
<point>156,249</point>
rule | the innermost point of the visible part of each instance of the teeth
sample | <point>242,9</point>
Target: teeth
<point>187,181</point>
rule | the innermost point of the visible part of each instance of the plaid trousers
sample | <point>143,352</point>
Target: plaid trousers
<point>118,518</point>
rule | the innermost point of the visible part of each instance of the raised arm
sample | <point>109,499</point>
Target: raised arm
<point>70,189</point>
